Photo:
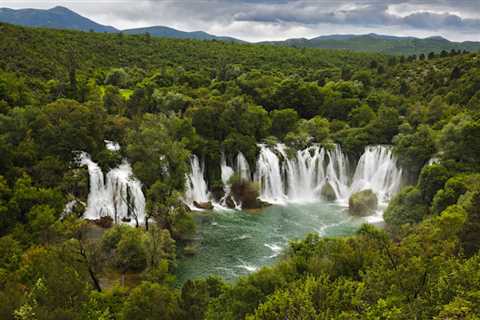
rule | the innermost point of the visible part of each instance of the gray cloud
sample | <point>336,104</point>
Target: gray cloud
<point>365,13</point>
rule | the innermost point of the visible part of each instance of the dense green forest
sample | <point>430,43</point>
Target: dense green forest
<point>381,43</point>
<point>163,100</point>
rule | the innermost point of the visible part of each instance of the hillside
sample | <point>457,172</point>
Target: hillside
<point>56,18</point>
<point>107,50</point>
<point>64,18</point>
<point>381,43</point>
<point>166,32</point>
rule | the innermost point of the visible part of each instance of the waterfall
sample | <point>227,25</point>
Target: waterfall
<point>269,175</point>
<point>196,186</point>
<point>377,170</point>
<point>226,172</point>
<point>301,176</point>
<point>118,194</point>
<point>241,167</point>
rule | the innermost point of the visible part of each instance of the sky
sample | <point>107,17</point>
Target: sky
<point>260,20</point>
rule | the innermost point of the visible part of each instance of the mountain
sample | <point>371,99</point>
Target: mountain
<point>64,18</point>
<point>166,32</point>
<point>380,43</point>
<point>56,18</point>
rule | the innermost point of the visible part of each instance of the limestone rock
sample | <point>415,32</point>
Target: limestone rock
<point>363,203</point>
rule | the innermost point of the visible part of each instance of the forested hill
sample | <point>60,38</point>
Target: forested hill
<point>24,50</point>
<point>166,32</point>
<point>64,18</point>
<point>381,43</point>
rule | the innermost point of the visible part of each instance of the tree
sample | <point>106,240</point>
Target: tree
<point>432,178</point>
<point>196,295</point>
<point>56,287</point>
<point>385,127</point>
<point>305,97</point>
<point>125,245</point>
<point>283,121</point>
<point>317,128</point>
<point>160,253</point>
<point>406,207</point>
<point>414,150</point>
<point>361,116</point>
<point>470,234</point>
<point>42,220</point>
<point>69,126</point>
<point>117,77</point>
<point>453,189</point>
<point>458,140</point>
<point>151,301</point>
<point>158,151</point>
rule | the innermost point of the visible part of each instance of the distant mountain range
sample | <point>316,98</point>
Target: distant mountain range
<point>56,18</point>
<point>166,32</point>
<point>64,18</point>
<point>379,43</point>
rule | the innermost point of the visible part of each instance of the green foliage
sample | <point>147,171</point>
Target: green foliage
<point>117,77</point>
<point>406,207</point>
<point>458,140</point>
<point>165,99</point>
<point>453,189</point>
<point>125,245</point>
<point>414,150</point>
<point>363,203</point>
<point>361,116</point>
<point>283,121</point>
<point>432,178</point>
<point>151,301</point>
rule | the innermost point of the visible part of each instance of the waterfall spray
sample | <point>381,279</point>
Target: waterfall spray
<point>299,178</point>
<point>118,194</point>
<point>196,186</point>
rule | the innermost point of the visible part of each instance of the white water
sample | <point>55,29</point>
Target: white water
<point>112,145</point>
<point>377,170</point>
<point>118,194</point>
<point>300,178</point>
<point>227,172</point>
<point>195,185</point>
<point>242,167</point>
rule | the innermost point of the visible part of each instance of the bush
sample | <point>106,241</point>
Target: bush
<point>407,207</point>
<point>454,188</point>
<point>432,178</point>
<point>117,77</point>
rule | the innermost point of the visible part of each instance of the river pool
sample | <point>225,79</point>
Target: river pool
<point>235,243</point>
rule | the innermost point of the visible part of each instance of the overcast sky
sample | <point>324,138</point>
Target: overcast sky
<point>251,20</point>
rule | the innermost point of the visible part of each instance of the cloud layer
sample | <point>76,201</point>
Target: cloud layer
<point>257,20</point>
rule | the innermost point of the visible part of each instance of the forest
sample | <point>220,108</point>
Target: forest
<point>165,100</point>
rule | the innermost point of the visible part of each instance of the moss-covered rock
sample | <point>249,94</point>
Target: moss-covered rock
<point>327,192</point>
<point>203,205</point>
<point>363,203</point>
<point>245,192</point>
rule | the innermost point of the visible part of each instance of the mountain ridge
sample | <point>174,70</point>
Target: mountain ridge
<point>60,17</point>
<point>373,42</point>
<point>56,18</point>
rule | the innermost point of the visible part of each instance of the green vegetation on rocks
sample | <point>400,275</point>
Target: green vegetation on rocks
<point>327,192</point>
<point>363,203</point>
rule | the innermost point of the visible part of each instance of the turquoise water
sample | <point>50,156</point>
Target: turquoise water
<point>235,243</point>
